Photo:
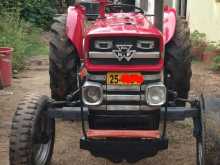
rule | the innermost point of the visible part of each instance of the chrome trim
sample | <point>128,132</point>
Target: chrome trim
<point>123,88</point>
<point>96,77</point>
<point>103,78</point>
<point>92,84</point>
<point>149,108</point>
<point>99,107</point>
<point>160,84</point>
<point>101,55</point>
<point>124,108</point>
<point>124,52</point>
<point>141,42</point>
<point>112,55</point>
<point>152,77</point>
<point>98,43</point>
<point>123,98</point>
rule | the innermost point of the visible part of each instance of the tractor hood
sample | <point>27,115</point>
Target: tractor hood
<point>123,24</point>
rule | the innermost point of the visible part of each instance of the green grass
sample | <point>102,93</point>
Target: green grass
<point>23,37</point>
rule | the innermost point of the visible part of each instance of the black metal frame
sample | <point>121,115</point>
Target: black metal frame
<point>131,150</point>
<point>109,148</point>
<point>74,113</point>
<point>74,110</point>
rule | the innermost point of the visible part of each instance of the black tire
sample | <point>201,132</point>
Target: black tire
<point>32,133</point>
<point>178,60</point>
<point>63,61</point>
<point>208,141</point>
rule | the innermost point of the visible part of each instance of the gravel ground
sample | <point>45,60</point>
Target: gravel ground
<point>35,79</point>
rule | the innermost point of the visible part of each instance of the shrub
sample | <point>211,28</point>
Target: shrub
<point>198,39</point>
<point>22,36</point>
<point>38,12</point>
<point>216,65</point>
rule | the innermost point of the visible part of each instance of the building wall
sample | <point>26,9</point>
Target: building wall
<point>204,16</point>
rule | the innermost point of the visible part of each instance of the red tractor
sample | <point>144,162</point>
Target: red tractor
<point>123,76</point>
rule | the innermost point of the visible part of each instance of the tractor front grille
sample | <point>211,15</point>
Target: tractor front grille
<point>126,41</point>
<point>108,56</point>
<point>114,61</point>
<point>124,97</point>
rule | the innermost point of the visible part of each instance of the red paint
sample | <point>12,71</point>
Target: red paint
<point>124,24</point>
<point>132,79</point>
<point>125,68</point>
<point>103,3</point>
<point>5,66</point>
<point>83,72</point>
<point>147,134</point>
<point>169,26</point>
<point>75,28</point>
<point>117,25</point>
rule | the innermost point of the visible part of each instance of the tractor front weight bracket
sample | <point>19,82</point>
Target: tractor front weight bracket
<point>74,113</point>
<point>143,147</point>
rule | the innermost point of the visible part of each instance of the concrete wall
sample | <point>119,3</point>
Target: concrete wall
<point>204,16</point>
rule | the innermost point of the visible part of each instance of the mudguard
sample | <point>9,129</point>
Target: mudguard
<point>169,26</point>
<point>75,28</point>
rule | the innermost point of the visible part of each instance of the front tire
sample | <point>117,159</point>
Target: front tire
<point>32,133</point>
<point>178,61</point>
<point>63,61</point>
<point>208,140</point>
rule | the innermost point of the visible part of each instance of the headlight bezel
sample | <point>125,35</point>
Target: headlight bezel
<point>88,84</point>
<point>147,94</point>
<point>97,44</point>
<point>151,43</point>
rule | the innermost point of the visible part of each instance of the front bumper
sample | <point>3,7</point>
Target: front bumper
<point>123,149</point>
<point>74,113</point>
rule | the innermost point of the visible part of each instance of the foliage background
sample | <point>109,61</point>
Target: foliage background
<point>23,22</point>
<point>38,12</point>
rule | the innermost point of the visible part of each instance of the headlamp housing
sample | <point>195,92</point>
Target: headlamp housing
<point>155,94</point>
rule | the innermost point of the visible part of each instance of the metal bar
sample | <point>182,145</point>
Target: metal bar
<point>148,134</point>
<point>159,14</point>
<point>179,113</point>
<point>136,55</point>
<point>123,107</point>
<point>149,77</point>
<point>68,113</point>
<point>123,97</point>
<point>119,88</point>
<point>74,113</point>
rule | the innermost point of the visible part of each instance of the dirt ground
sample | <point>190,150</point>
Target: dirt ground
<point>35,79</point>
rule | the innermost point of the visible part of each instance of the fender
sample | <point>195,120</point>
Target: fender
<point>169,26</point>
<point>75,28</point>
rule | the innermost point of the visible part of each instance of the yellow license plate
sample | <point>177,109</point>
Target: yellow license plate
<point>117,78</point>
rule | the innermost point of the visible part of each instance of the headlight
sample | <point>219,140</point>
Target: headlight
<point>145,45</point>
<point>92,93</point>
<point>155,94</point>
<point>103,44</point>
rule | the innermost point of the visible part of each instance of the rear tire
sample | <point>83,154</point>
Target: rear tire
<point>208,141</point>
<point>63,61</point>
<point>178,61</point>
<point>32,133</point>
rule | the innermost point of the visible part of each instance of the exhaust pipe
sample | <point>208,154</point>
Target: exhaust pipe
<point>182,8</point>
<point>158,11</point>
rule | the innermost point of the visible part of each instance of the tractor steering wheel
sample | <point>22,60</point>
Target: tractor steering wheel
<point>123,8</point>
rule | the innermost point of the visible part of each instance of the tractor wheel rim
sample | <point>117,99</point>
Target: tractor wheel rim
<point>200,153</point>
<point>42,151</point>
